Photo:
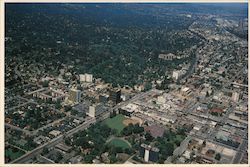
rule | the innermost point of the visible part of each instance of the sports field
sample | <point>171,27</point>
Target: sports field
<point>116,122</point>
<point>128,121</point>
<point>119,143</point>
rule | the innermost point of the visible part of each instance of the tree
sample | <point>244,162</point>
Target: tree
<point>45,83</point>
<point>74,112</point>
<point>181,131</point>
<point>113,158</point>
<point>58,105</point>
<point>148,86</point>
<point>167,149</point>
<point>137,129</point>
<point>89,158</point>
<point>218,156</point>
<point>127,151</point>
<point>45,151</point>
<point>149,137</point>
<point>161,159</point>
<point>112,114</point>
<point>59,156</point>
<point>30,144</point>
<point>177,142</point>
<point>67,141</point>
<point>67,108</point>
<point>119,149</point>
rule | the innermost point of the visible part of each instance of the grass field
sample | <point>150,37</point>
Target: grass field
<point>13,153</point>
<point>119,143</point>
<point>116,122</point>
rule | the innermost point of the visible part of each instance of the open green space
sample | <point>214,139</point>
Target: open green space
<point>116,122</point>
<point>119,143</point>
<point>13,153</point>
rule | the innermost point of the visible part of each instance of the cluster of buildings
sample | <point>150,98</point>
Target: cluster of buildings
<point>48,94</point>
<point>149,153</point>
<point>211,103</point>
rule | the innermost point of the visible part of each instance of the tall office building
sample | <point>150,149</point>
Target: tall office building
<point>149,153</point>
<point>86,78</point>
<point>154,154</point>
<point>103,98</point>
<point>75,95</point>
<point>96,109</point>
<point>115,95</point>
<point>236,96</point>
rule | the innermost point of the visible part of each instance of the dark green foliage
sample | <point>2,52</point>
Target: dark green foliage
<point>130,129</point>
<point>97,134</point>
<point>45,151</point>
<point>121,51</point>
<point>218,156</point>
<point>148,137</point>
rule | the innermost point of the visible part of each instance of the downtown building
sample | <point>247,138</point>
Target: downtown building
<point>115,95</point>
<point>149,153</point>
<point>86,78</point>
<point>96,109</point>
<point>75,95</point>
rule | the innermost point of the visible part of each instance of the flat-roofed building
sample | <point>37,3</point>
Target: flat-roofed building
<point>103,98</point>
<point>75,95</point>
<point>169,56</point>
<point>86,77</point>
<point>149,153</point>
<point>235,96</point>
<point>115,95</point>
<point>54,133</point>
<point>185,91</point>
<point>96,109</point>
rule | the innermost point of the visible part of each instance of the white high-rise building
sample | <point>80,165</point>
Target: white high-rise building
<point>82,77</point>
<point>96,109</point>
<point>146,155</point>
<point>235,96</point>
<point>75,95</point>
<point>86,78</point>
<point>89,77</point>
<point>176,75</point>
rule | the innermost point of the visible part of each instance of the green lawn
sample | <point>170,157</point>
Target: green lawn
<point>116,122</point>
<point>119,143</point>
<point>13,154</point>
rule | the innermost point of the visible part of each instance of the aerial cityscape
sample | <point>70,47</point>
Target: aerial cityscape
<point>126,83</point>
